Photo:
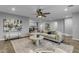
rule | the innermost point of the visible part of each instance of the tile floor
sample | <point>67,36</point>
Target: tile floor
<point>7,47</point>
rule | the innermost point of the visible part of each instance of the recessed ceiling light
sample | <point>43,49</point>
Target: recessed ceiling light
<point>66,9</point>
<point>13,9</point>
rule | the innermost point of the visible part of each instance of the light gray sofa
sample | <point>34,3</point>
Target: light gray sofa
<point>54,37</point>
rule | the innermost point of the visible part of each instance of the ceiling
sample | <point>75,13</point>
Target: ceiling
<point>57,11</point>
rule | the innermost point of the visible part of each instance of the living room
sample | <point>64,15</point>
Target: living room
<point>39,28</point>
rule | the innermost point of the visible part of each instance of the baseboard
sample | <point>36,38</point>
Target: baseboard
<point>2,39</point>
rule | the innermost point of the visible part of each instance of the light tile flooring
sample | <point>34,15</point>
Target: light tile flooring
<point>68,40</point>
<point>7,47</point>
<point>26,46</point>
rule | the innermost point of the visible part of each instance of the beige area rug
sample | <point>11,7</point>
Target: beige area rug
<point>26,46</point>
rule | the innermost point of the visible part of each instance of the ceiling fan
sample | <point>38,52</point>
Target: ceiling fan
<point>40,13</point>
<point>70,6</point>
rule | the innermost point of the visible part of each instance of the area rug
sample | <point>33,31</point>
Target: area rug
<point>25,45</point>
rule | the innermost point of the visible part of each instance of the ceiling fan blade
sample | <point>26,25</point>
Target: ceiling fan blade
<point>46,13</point>
<point>70,5</point>
<point>40,13</point>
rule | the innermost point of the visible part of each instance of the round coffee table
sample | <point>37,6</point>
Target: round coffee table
<point>36,39</point>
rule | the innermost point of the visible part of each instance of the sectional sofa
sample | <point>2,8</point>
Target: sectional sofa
<point>56,37</point>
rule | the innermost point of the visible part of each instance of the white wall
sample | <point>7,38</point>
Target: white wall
<point>68,26</point>
<point>60,25</point>
<point>25,22</point>
<point>65,26</point>
<point>53,25</point>
<point>76,25</point>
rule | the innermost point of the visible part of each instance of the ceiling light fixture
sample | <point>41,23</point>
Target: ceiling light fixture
<point>39,16</point>
<point>13,9</point>
<point>66,9</point>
